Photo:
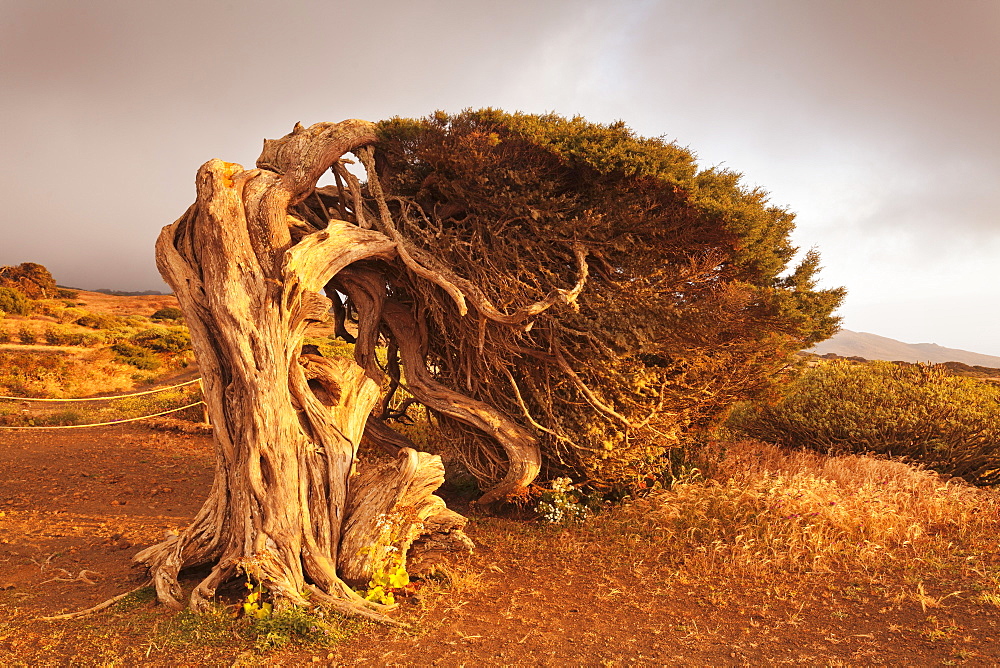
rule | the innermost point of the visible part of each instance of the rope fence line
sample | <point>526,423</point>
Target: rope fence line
<point>121,396</point>
<point>104,424</point>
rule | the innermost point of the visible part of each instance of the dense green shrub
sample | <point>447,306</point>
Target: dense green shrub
<point>55,336</point>
<point>917,413</point>
<point>101,321</point>
<point>163,339</point>
<point>70,314</point>
<point>167,313</point>
<point>14,301</point>
<point>66,336</point>
<point>137,356</point>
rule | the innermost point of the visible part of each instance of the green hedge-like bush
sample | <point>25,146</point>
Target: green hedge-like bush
<point>917,413</point>
<point>141,358</point>
<point>101,321</point>
<point>163,339</point>
<point>27,335</point>
<point>14,301</point>
<point>167,313</point>
<point>65,336</point>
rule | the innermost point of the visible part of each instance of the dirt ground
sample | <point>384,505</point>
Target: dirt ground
<point>77,504</point>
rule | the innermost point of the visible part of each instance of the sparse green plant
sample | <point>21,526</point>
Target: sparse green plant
<point>293,624</point>
<point>4,334</point>
<point>271,628</point>
<point>60,417</point>
<point>254,606</point>
<point>26,334</point>
<point>137,598</point>
<point>140,358</point>
<point>388,579</point>
<point>564,503</point>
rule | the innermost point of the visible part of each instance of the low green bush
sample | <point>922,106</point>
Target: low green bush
<point>15,302</point>
<point>163,339</point>
<point>101,321</point>
<point>27,335</point>
<point>69,314</point>
<point>913,412</point>
<point>137,356</point>
<point>167,313</point>
<point>56,335</point>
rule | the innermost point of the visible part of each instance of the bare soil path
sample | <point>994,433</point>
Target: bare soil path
<point>75,506</point>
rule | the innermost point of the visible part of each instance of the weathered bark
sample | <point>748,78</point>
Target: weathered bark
<point>249,263</point>
<point>364,289</point>
<point>284,506</point>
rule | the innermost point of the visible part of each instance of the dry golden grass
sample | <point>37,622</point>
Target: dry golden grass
<point>61,374</point>
<point>63,350</point>
<point>766,510</point>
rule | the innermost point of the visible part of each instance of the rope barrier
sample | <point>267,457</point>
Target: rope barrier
<point>104,424</point>
<point>121,396</point>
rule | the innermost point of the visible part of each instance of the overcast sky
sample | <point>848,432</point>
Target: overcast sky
<point>876,121</point>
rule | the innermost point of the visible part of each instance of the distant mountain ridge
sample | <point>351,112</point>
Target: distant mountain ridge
<point>846,343</point>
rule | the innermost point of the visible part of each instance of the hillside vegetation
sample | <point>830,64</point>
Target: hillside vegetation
<point>67,344</point>
<point>58,343</point>
<point>922,414</point>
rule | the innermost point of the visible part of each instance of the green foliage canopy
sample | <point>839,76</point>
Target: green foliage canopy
<point>167,313</point>
<point>14,302</point>
<point>687,306</point>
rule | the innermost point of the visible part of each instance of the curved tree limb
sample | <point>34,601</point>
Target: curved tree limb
<point>287,425</point>
<point>523,454</point>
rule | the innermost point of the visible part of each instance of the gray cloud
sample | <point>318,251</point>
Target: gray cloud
<point>873,120</point>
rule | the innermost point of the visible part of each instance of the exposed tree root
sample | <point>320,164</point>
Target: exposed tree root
<point>97,608</point>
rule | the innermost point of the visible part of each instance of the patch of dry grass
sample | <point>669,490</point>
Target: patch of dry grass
<point>14,414</point>
<point>767,510</point>
<point>61,374</point>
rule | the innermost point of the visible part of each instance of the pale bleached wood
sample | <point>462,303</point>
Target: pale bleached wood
<point>249,276</point>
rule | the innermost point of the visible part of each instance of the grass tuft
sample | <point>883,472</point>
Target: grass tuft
<point>766,510</point>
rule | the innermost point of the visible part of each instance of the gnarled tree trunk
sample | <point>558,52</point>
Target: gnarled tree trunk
<point>248,263</point>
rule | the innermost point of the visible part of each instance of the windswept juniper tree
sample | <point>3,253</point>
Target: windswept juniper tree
<point>561,295</point>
